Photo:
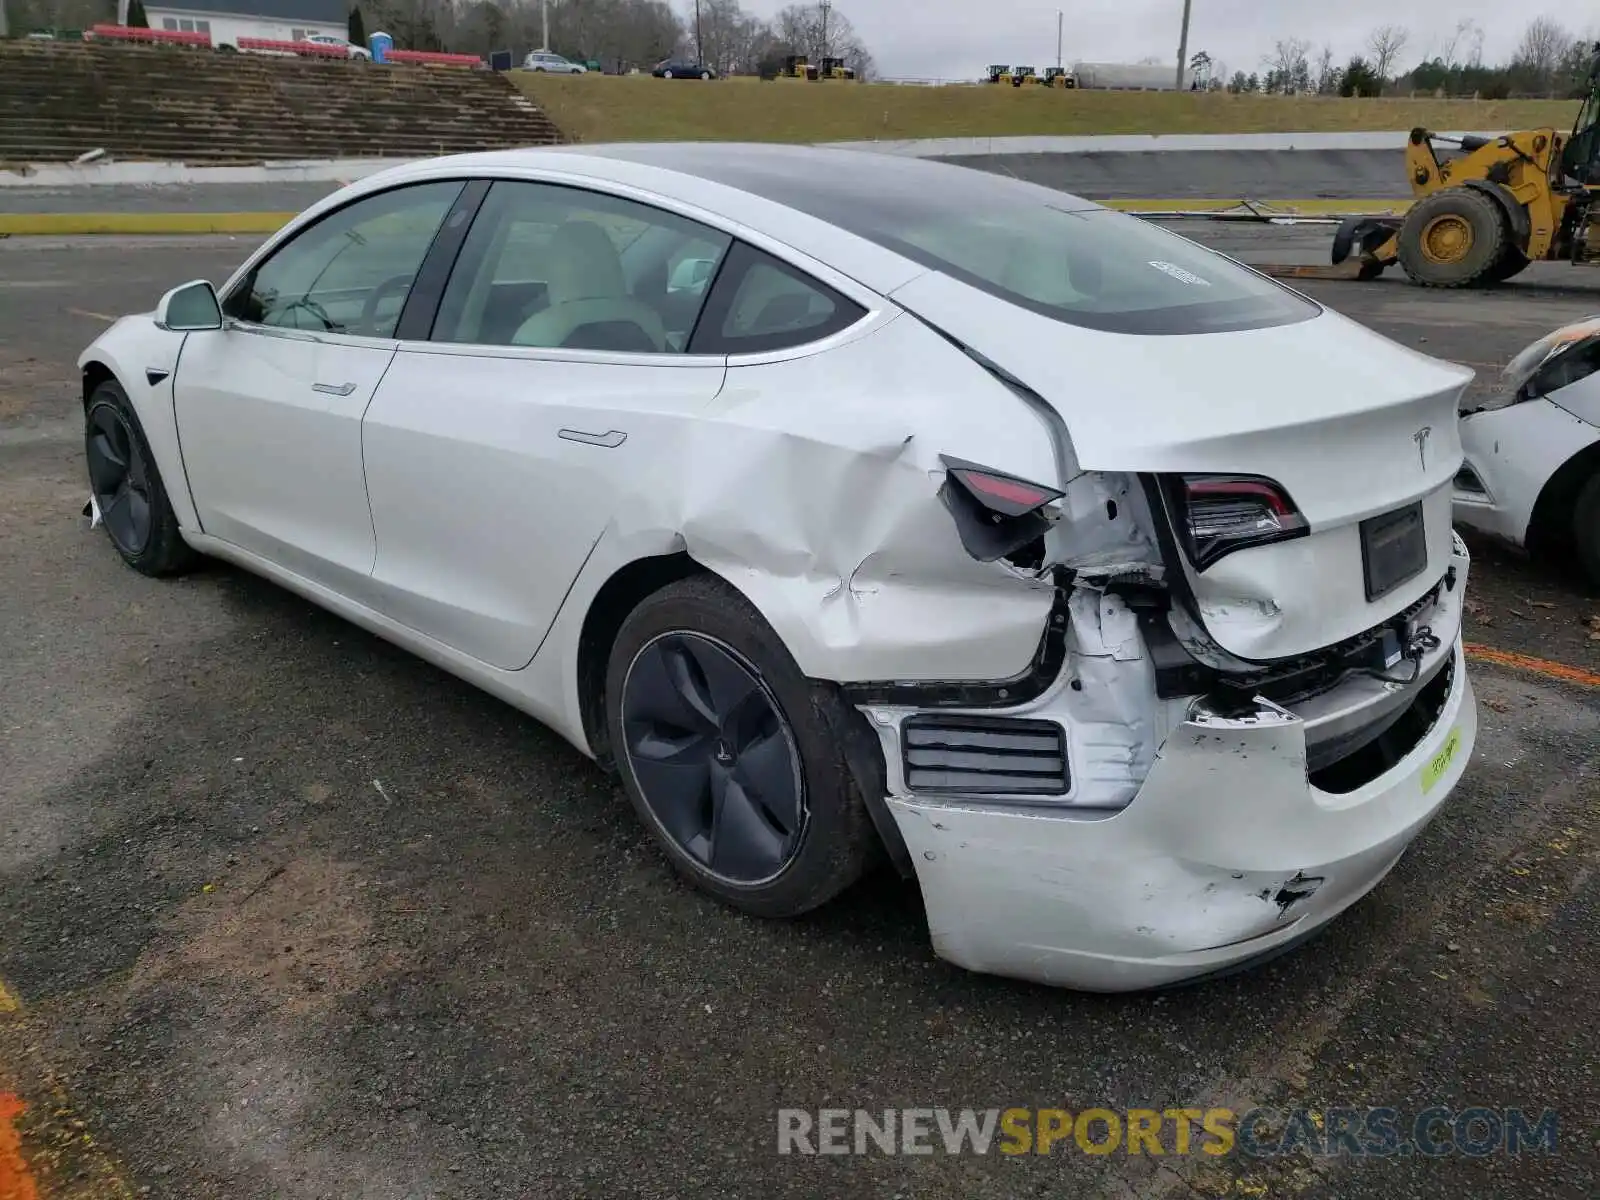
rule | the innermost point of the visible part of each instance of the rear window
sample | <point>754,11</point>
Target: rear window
<point>1093,267</point>
<point>1045,250</point>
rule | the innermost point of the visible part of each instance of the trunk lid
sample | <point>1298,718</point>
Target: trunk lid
<point>1351,424</point>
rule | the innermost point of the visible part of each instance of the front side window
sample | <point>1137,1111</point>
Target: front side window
<point>349,273</point>
<point>565,268</point>
<point>170,23</point>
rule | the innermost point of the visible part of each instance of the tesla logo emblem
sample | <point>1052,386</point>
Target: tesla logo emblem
<point>1420,437</point>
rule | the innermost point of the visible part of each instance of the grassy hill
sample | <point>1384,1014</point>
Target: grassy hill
<point>596,108</point>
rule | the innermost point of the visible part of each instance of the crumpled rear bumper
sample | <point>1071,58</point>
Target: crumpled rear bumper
<point>1226,853</point>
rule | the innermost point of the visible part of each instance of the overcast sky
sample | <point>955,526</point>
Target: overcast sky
<point>959,38</point>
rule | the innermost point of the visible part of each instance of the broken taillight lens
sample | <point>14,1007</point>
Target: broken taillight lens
<point>996,514</point>
<point>1004,494</point>
<point>1219,514</point>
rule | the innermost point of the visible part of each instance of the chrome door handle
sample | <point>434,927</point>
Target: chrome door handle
<point>328,389</point>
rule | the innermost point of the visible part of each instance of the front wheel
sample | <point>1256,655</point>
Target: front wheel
<point>128,489</point>
<point>1453,238</point>
<point>705,74</point>
<point>1586,529</point>
<point>726,751</point>
<point>666,74</point>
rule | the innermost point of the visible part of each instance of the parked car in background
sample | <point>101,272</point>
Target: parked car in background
<point>851,505</point>
<point>328,39</point>
<point>555,64</point>
<point>1532,470</point>
<point>676,68</point>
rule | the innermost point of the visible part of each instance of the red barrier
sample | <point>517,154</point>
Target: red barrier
<point>309,49</point>
<point>127,33</point>
<point>428,59</point>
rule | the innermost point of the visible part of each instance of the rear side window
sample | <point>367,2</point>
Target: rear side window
<point>760,304</point>
<point>1032,246</point>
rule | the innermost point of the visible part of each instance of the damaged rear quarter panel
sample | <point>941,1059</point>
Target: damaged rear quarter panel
<point>811,484</point>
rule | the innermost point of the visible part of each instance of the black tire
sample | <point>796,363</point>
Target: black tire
<point>1586,529</point>
<point>666,74</point>
<point>704,622</point>
<point>1370,269</point>
<point>152,544</point>
<point>705,74</point>
<point>1457,210</point>
<point>1513,262</point>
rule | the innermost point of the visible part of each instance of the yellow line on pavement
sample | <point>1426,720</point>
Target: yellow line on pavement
<point>55,1144</point>
<point>71,224</point>
<point>1537,666</point>
<point>1308,208</point>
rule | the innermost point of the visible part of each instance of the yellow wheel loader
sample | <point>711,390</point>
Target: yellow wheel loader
<point>1483,215</point>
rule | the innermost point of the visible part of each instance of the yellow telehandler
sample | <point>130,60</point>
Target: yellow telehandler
<point>1482,216</point>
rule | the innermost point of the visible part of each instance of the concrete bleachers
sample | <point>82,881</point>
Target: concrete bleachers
<point>59,100</point>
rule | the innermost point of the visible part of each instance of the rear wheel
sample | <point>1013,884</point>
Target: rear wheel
<point>127,487</point>
<point>705,74</point>
<point>1586,529</point>
<point>725,750</point>
<point>1453,238</point>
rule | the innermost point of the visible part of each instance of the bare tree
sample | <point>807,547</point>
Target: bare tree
<point>1545,43</point>
<point>801,28</point>
<point>1384,45</point>
<point>1463,40</point>
<point>1289,68</point>
<point>1326,79</point>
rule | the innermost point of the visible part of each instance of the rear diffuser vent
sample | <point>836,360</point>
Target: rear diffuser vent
<point>993,755</point>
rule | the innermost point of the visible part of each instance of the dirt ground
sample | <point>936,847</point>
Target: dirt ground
<point>287,913</point>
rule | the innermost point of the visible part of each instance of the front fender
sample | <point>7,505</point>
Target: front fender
<point>135,351</point>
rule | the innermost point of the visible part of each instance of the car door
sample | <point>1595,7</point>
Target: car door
<point>498,451</point>
<point>269,406</point>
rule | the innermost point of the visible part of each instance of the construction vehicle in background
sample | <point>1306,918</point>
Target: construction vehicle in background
<point>834,68</point>
<point>1056,77</point>
<point>1483,215</point>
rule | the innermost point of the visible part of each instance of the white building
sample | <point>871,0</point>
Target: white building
<point>229,20</point>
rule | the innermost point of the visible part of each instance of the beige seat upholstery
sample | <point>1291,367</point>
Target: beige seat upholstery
<point>586,287</point>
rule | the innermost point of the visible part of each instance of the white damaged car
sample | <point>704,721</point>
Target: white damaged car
<point>850,505</point>
<point>1532,471</point>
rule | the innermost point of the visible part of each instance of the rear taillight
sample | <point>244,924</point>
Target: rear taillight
<point>996,514</point>
<point>1218,514</point>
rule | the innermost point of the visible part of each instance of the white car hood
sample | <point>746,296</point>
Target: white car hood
<point>1330,410</point>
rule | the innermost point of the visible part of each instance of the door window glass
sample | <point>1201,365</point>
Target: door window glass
<point>561,267</point>
<point>349,273</point>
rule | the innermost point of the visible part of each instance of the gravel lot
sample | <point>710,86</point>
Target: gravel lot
<point>289,914</point>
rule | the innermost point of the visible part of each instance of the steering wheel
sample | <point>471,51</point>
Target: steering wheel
<point>369,310</point>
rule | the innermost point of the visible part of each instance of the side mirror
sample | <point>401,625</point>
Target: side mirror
<point>191,306</point>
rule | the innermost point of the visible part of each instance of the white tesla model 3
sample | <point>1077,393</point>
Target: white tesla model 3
<point>847,505</point>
